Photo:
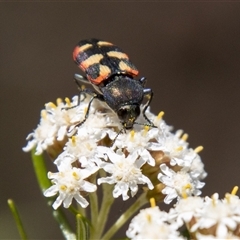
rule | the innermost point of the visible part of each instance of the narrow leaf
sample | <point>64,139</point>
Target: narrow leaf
<point>17,218</point>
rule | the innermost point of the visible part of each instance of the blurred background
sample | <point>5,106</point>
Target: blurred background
<point>190,53</point>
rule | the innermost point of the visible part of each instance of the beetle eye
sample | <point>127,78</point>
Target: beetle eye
<point>123,113</point>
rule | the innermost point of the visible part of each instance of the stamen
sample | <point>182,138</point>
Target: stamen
<point>74,140</point>
<point>152,202</point>
<point>132,133</point>
<point>68,102</point>
<point>214,199</point>
<point>89,147</point>
<point>59,101</point>
<point>63,188</point>
<point>149,217</point>
<point>51,105</point>
<point>44,114</point>
<point>184,195</point>
<point>180,148</point>
<point>160,115</point>
<point>227,197</point>
<point>198,149</point>
<point>75,175</point>
<point>184,137</point>
<point>234,191</point>
<point>146,128</point>
<point>188,186</point>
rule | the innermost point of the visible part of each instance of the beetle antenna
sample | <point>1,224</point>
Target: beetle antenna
<point>121,131</point>
<point>150,124</point>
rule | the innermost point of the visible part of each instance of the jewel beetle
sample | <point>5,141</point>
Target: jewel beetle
<point>112,75</point>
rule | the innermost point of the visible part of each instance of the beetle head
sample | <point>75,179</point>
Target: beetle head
<point>127,115</point>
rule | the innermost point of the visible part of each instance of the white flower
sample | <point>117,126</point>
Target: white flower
<point>219,215</point>
<point>54,122</point>
<point>83,148</point>
<point>197,168</point>
<point>43,136</point>
<point>178,184</point>
<point>233,202</point>
<point>69,183</point>
<point>125,172</point>
<point>139,142</point>
<point>175,148</point>
<point>98,125</point>
<point>185,210</point>
<point>151,223</point>
<point>63,115</point>
<point>229,236</point>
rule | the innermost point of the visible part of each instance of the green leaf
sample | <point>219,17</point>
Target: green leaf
<point>17,218</point>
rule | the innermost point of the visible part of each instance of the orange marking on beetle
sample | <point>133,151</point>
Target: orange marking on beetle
<point>125,68</point>
<point>104,43</point>
<point>79,49</point>
<point>134,71</point>
<point>85,47</point>
<point>118,55</point>
<point>104,72</point>
<point>75,53</point>
<point>91,60</point>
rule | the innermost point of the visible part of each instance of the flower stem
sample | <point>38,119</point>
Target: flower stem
<point>63,224</point>
<point>125,216</point>
<point>17,218</point>
<point>94,207</point>
<point>106,204</point>
<point>81,228</point>
<point>40,171</point>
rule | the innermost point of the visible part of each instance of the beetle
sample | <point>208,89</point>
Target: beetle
<point>111,74</point>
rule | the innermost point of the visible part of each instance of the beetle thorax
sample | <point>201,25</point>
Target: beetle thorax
<point>124,95</point>
<point>122,91</point>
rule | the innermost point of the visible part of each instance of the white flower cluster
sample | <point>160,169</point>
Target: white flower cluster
<point>145,155</point>
<point>204,218</point>
<point>151,223</point>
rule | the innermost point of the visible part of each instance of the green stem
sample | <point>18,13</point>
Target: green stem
<point>63,224</point>
<point>17,218</point>
<point>44,183</point>
<point>125,216</point>
<point>94,208</point>
<point>76,212</point>
<point>81,228</point>
<point>40,171</point>
<point>106,204</point>
<point>93,198</point>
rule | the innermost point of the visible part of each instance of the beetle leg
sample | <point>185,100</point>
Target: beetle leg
<point>149,94</point>
<point>89,105</point>
<point>143,81</point>
<point>79,78</point>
